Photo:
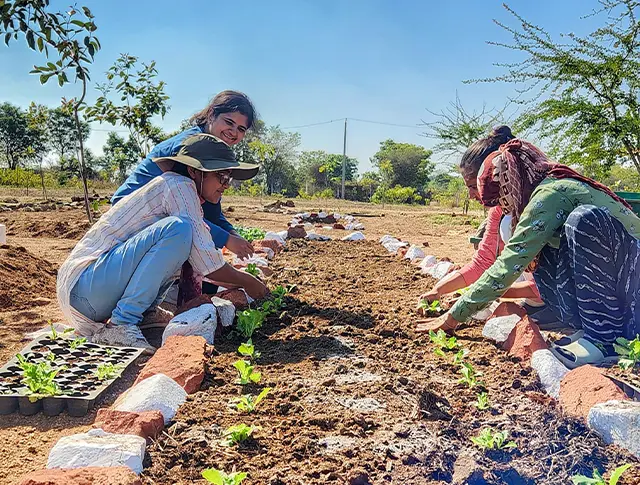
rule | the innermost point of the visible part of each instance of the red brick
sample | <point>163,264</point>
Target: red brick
<point>147,424</point>
<point>117,475</point>
<point>509,308</point>
<point>401,252</point>
<point>235,296</point>
<point>524,340</point>
<point>584,387</point>
<point>182,359</point>
<point>296,232</point>
<point>338,226</point>
<point>272,244</point>
<point>194,303</point>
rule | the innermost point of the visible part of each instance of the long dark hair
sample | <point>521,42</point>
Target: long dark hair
<point>476,153</point>
<point>226,102</point>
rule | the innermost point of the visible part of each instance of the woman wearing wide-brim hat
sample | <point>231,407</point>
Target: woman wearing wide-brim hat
<point>124,264</point>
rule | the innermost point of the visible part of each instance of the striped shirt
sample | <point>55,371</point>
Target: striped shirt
<point>167,195</point>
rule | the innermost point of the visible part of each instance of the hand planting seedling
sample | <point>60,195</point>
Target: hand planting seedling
<point>598,479</point>
<point>246,373</point>
<point>443,342</point>
<point>234,435</point>
<point>39,379</point>
<point>218,477</point>
<point>490,440</point>
<point>108,371</point>
<point>250,233</point>
<point>430,309</point>
<point>248,403</point>
<point>629,350</point>
<point>483,401</point>
<point>77,342</point>
<point>249,321</point>
<point>252,269</point>
<point>247,349</point>
<point>469,375</point>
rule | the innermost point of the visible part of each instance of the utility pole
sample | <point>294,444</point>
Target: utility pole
<point>344,157</point>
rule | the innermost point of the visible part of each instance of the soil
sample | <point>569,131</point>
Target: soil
<point>357,397</point>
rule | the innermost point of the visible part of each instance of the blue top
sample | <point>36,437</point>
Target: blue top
<point>148,169</point>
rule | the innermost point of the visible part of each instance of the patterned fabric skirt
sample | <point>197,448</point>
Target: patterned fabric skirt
<point>592,282</point>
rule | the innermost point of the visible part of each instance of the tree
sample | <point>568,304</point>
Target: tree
<point>63,134</point>
<point>70,167</point>
<point>71,35</point>
<point>403,164</point>
<point>119,155</point>
<point>243,151</point>
<point>457,129</point>
<point>276,152</point>
<point>37,117</point>
<point>143,99</point>
<point>321,170</point>
<point>584,91</point>
<point>19,140</point>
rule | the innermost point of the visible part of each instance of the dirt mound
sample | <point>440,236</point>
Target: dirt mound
<point>48,228</point>
<point>25,280</point>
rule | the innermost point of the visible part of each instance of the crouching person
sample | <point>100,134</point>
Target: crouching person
<point>123,266</point>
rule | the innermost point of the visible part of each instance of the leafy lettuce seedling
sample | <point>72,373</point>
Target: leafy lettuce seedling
<point>443,342</point>
<point>629,350</point>
<point>249,321</point>
<point>39,379</point>
<point>483,401</point>
<point>247,349</point>
<point>598,479</point>
<point>280,291</point>
<point>219,477</point>
<point>246,373</point>
<point>459,356</point>
<point>469,375</point>
<point>250,233</point>
<point>490,440</point>
<point>252,269</point>
<point>234,435</point>
<point>108,371</point>
<point>77,342</point>
<point>248,403</point>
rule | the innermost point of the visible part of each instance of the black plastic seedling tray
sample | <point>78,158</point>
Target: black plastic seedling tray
<point>77,378</point>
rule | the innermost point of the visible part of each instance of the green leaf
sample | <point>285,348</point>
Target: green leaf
<point>40,44</point>
<point>617,474</point>
<point>79,23</point>
<point>213,476</point>
<point>30,40</point>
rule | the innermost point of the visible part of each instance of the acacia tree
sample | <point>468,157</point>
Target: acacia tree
<point>582,93</point>
<point>69,36</point>
<point>143,99</point>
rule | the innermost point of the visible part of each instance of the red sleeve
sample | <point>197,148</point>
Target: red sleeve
<point>490,245</point>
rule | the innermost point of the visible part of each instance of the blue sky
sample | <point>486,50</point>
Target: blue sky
<point>308,61</point>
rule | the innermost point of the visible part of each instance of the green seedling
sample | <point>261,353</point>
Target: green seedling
<point>248,403</point>
<point>246,375</point>
<point>249,321</point>
<point>443,342</point>
<point>280,291</point>
<point>490,440</point>
<point>54,333</point>
<point>459,356</point>
<point>483,401</point>
<point>218,477</point>
<point>39,379</point>
<point>250,233</point>
<point>252,269</point>
<point>108,371</point>
<point>268,307</point>
<point>51,357</point>
<point>235,435</point>
<point>469,375</point>
<point>629,350</point>
<point>110,351</point>
<point>247,349</point>
<point>77,342</point>
<point>598,479</point>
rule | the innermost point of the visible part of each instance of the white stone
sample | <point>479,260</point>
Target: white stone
<point>499,328</point>
<point>354,236</point>
<point>257,260</point>
<point>427,262</point>
<point>483,315</point>
<point>354,226</point>
<point>201,321</point>
<point>156,393</point>
<point>349,218</point>
<point>327,228</point>
<point>439,270</point>
<point>225,310</point>
<point>308,226</point>
<point>283,234</point>
<point>387,238</point>
<point>276,236</point>
<point>413,253</point>
<point>617,422</point>
<point>312,236</point>
<point>337,216</point>
<point>392,244</point>
<point>98,448</point>
<point>550,371</point>
<point>268,251</point>
<point>322,215</point>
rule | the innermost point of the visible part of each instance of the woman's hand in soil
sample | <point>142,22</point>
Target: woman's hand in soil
<point>255,288</point>
<point>429,296</point>
<point>239,246</point>
<point>444,322</point>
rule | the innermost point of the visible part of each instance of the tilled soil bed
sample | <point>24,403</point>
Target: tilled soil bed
<point>359,398</point>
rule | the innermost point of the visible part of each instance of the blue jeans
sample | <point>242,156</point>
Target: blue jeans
<point>133,276</point>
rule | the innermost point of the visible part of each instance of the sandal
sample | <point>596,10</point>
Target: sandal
<point>581,352</point>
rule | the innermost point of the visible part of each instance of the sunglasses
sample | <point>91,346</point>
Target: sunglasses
<point>224,178</point>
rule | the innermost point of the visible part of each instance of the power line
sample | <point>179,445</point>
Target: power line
<point>311,124</point>
<point>384,123</point>
<point>351,119</point>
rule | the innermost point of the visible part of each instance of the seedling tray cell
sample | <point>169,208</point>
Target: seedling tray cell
<point>77,378</point>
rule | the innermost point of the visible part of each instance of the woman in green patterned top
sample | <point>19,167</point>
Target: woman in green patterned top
<point>579,239</point>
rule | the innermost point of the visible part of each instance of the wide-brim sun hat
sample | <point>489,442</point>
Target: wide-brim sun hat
<point>208,153</point>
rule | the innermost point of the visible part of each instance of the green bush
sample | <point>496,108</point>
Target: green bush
<point>397,195</point>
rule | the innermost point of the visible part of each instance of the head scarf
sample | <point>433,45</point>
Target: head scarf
<point>509,176</point>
